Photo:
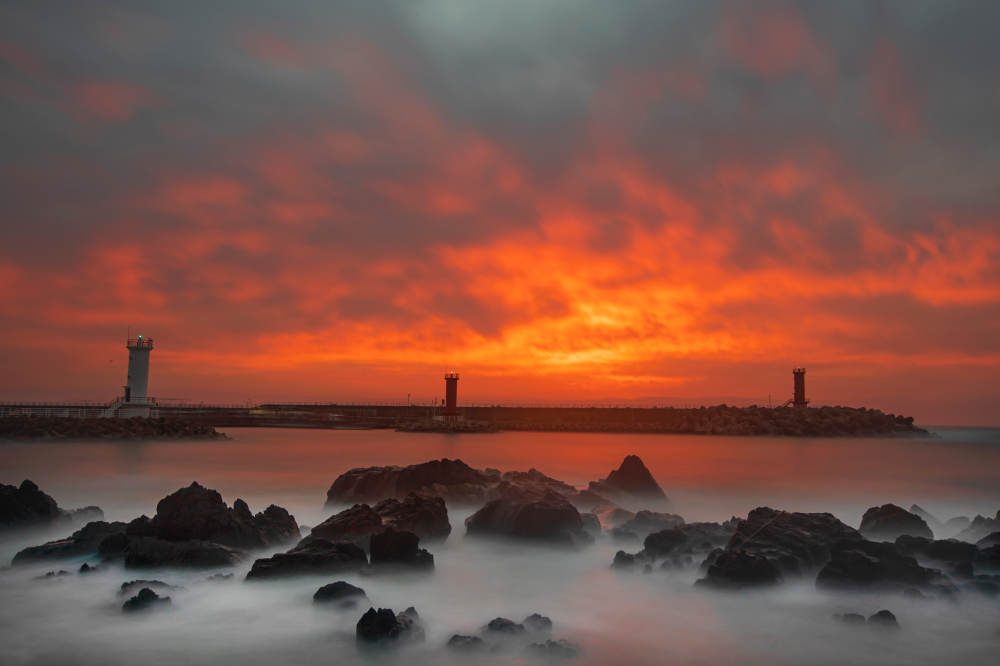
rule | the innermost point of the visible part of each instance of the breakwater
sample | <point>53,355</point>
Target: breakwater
<point>29,428</point>
<point>834,421</point>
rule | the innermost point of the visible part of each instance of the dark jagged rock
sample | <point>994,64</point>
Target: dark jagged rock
<point>451,479</point>
<point>979,528</point>
<point>865,565</point>
<point>411,613</point>
<point>392,547</point>
<point>113,546</point>
<point>612,516</point>
<point>87,514</point>
<point>552,519</point>
<point>315,557</point>
<point>86,569</point>
<point>587,500</point>
<point>884,620</point>
<point>151,553</point>
<point>631,479</point>
<point>645,522</point>
<point>356,524</point>
<point>622,534</point>
<point>221,578</point>
<point>84,541</point>
<point>536,623</point>
<point>688,539</point>
<point>421,513</point>
<point>737,569</point>
<point>945,550</point>
<point>710,559</point>
<point>989,540</point>
<point>955,525</point>
<point>888,522</point>
<point>27,506</point>
<point>53,574</point>
<point>144,601</point>
<point>623,560</point>
<point>591,523</point>
<point>988,558</point>
<point>382,626</point>
<point>197,513</point>
<point>337,592</point>
<point>501,626</point>
<point>410,628</point>
<point>932,522</point>
<point>963,570</point>
<point>793,541</point>
<point>461,643</point>
<point>560,650</point>
<point>133,585</point>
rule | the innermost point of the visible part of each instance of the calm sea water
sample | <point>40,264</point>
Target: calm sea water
<point>617,618</point>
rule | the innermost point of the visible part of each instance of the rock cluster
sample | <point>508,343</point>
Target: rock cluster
<point>144,601</point>
<point>383,627</point>
<point>83,542</point>
<point>421,513</point>
<point>27,428</point>
<point>392,547</point>
<point>25,507</point>
<point>338,592</point>
<point>737,569</point>
<point>311,557</point>
<point>866,565</point>
<point>979,528</point>
<point>793,541</point>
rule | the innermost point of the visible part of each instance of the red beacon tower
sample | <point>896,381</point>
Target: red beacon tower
<point>451,397</point>
<point>799,397</point>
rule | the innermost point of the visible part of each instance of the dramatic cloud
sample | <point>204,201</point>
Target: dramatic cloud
<point>565,202</point>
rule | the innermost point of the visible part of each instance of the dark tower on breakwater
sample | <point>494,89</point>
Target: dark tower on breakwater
<point>799,397</point>
<point>451,397</point>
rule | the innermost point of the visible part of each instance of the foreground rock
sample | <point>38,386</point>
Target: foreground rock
<point>420,513</point>
<point>385,627</point>
<point>198,513</point>
<point>152,553</point>
<point>451,479</point>
<point>338,593</point>
<point>83,542</point>
<point>399,548</point>
<point>630,481</point>
<point>738,569</point>
<point>31,428</point>
<point>356,525</point>
<point>793,541</point>
<point>945,550</point>
<point>553,519</point>
<point>884,620</point>
<point>146,600</point>
<point>27,506</point>
<point>315,557</point>
<point>888,522</point>
<point>689,539</point>
<point>870,565</point>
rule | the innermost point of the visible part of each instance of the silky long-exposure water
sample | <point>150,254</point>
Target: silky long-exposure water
<point>617,618</point>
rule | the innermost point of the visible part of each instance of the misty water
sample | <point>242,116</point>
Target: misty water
<point>617,618</point>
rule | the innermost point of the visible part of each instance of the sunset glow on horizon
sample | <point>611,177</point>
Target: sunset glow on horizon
<point>679,201</point>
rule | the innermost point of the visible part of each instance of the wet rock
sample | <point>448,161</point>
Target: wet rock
<point>146,600</point>
<point>979,528</point>
<point>631,479</point>
<point>866,565</point>
<point>711,559</point>
<point>113,546</point>
<point>83,542</point>
<point>150,553</point>
<point>316,557</point>
<point>963,570</point>
<point>197,513</point>
<point>561,650</point>
<point>888,522</point>
<point>738,569</point>
<point>421,513</point>
<point>884,620</point>
<point>134,585</point>
<point>501,626</point>
<point>945,550</point>
<point>392,547</point>
<point>850,618</point>
<point>86,569</point>
<point>645,522</point>
<point>623,560</point>
<point>621,534</point>
<point>612,516</point>
<point>688,539</point>
<point>410,628</point>
<point>793,541</point>
<point>461,643</point>
<point>376,626</point>
<point>27,506</point>
<point>536,623</point>
<point>356,524</point>
<point>591,523</point>
<point>989,540</point>
<point>553,519</point>
<point>451,479</point>
<point>87,514</point>
<point>338,591</point>
<point>988,558</point>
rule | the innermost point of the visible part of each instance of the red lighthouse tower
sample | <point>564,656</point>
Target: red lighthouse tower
<point>451,397</point>
<point>799,399</point>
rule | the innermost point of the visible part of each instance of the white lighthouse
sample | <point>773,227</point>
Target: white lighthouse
<point>138,373</point>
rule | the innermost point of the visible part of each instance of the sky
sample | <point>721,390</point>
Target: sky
<point>562,201</point>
